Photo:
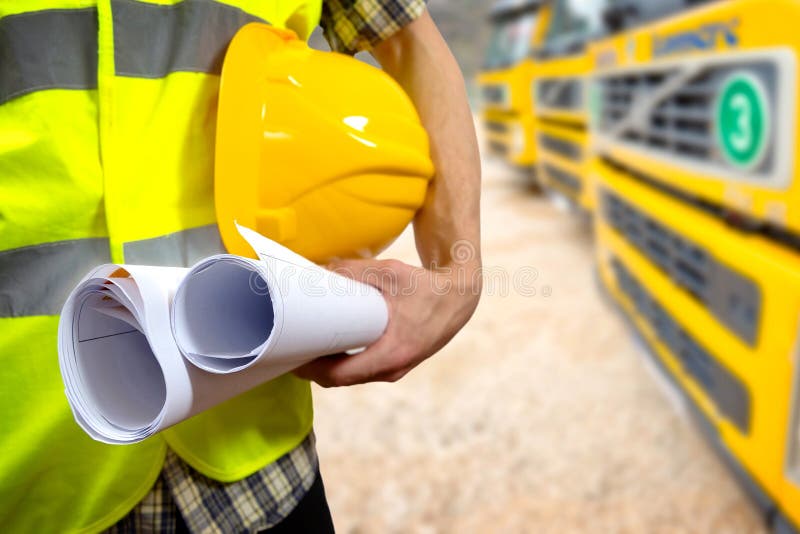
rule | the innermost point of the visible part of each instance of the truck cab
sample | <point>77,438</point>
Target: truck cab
<point>695,135</point>
<point>561,66</point>
<point>504,81</point>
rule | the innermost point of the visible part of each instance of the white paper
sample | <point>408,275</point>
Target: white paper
<point>231,313</point>
<point>238,322</point>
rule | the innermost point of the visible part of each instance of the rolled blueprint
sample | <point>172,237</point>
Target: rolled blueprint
<point>232,313</point>
<point>241,322</point>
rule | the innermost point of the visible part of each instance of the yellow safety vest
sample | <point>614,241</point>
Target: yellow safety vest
<point>107,115</point>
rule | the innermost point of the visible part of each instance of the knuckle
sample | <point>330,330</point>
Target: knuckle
<point>318,380</point>
<point>406,353</point>
<point>403,355</point>
<point>395,376</point>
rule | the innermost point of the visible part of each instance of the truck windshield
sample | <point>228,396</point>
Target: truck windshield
<point>622,15</point>
<point>573,24</point>
<point>510,40</point>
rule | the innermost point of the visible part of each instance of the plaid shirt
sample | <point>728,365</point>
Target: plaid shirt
<point>255,503</point>
<point>352,26</point>
<point>266,497</point>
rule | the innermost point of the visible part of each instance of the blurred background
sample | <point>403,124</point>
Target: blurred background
<point>633,364</point>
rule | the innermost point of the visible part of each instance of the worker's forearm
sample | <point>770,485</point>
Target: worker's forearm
<point>419,59</point>
<point>421,322</point>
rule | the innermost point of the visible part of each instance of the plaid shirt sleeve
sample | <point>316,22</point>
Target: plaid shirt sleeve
<point>352,26</point>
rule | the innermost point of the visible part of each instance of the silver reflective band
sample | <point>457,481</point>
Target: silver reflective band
<point>36,280</point>
<point>180,249</point>
<point>52,49</point>
<point>151,40</point>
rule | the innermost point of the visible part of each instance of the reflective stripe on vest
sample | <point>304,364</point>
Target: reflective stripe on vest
<point>145,36</point>
<point>53,49</point>
<point>178,249</point>
<point>36,280</point>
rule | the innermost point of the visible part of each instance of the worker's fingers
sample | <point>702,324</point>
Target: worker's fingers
<point>381,361</point>
<point>318,370</point>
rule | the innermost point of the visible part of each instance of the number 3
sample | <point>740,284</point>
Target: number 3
<point>742,138</point>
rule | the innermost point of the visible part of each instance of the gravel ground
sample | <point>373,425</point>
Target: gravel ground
<point>538,417</point>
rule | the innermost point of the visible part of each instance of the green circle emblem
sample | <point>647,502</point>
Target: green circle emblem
<point>742,120</point>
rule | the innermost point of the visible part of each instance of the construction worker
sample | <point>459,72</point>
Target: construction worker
<point>107,112</point>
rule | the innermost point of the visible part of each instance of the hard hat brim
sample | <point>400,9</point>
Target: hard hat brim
<point>239,130</point>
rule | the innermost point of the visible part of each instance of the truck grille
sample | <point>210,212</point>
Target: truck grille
<point>562,94</point>
<point>562,147</point>
<point>732,298</point>
<point>725,390</point>
<point>496,127</point>
<point>498,148</point>
<point>565,180</point>
<point>680,122</point>
<point>496,94</point>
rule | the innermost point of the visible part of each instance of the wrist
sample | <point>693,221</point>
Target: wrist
<point>459,281</point>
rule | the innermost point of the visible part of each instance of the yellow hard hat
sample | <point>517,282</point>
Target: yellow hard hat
<point>316,150</point>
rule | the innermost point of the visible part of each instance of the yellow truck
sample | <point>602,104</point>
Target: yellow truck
<point>505,81</point>
<point>694,129</point>
<point>561,65</point>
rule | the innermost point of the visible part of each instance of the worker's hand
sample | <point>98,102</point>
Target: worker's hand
<point>426,309</point>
